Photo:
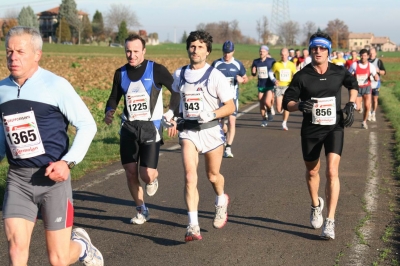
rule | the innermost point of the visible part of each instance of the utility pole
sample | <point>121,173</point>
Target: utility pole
<point>279,14</point>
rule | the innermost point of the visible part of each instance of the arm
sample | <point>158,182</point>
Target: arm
<point>114,98</point>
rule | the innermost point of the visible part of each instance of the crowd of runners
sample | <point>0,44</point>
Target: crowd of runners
<point>203,96</point>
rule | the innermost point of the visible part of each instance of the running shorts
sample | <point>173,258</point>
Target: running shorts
<point>29,190</point>
<point>364,91</point>
<point>205,140</point>
<point>280,90</point>
<point>332,142</point>
<point>265,89</point>
<point>137,143</point>
<point>375,92</point>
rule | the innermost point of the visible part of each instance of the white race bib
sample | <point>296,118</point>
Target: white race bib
<point>193,104</point>
<point>262,72</point>
<point>22,135</point>
<point>362,79</point>
<point>284,75</point>
<point>138,106</point>
<point>324,111</point>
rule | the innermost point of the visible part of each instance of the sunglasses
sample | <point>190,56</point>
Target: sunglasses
<point>322,49</point>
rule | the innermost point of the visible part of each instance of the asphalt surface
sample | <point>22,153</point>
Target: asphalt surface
<point>269,205</point>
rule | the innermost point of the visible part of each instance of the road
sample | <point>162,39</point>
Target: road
<point>269,210</point>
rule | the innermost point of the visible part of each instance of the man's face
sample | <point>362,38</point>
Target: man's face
<point>284,55</point>
<point>22,59</point>
<point>291,53</point>
<point>263,53</point>
<point>364,58</point>
<point>197,52</point>
<point>305,53</point>
<point>297,54</point>
<point>319,55</point>
<point>228,56</point>
<point>372,53</point>
<point>134,52</point>
<point>354,56</point>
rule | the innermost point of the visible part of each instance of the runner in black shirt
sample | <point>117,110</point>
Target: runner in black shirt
<point>318,86</point>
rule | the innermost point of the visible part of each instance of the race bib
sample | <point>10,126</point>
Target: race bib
<point>22,135</point>
<point>362,79</point>
<point>262,72</point>
<point>324,111</point>
<point>374,84</point>
<point>193,104</point>
<point>138,106</point>
<point>284,75</point>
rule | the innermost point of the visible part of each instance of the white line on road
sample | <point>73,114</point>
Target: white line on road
<point>359,251</point>
<point>99,180</point>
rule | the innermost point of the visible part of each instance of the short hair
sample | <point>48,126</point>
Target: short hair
<point>36,40</point>
<point>202,36</point>
<point>364,51</point>
<point>134,37</point>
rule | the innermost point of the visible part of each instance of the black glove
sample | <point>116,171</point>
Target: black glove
<point>348,110</point>
<point>306,106</point>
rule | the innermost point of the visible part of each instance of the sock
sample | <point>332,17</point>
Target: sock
<point>284,123</point>
<point>220,200</point>
<point>228,145</point>
<point>83,250</point>
<point>193,218</point>
<point>373,112</point>
<point>143,207</point>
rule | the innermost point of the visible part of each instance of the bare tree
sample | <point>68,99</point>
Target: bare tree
<point>235,31</point>
<point>118,13</point>
<point>339,33</point>
<point>309,28</point>
<point>288,32</point>
<point>262,29</point>
<point>223,31</point>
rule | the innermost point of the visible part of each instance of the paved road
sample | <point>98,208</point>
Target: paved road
<point>269,210</point>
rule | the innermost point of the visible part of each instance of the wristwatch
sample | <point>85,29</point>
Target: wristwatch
<point>70,164</point>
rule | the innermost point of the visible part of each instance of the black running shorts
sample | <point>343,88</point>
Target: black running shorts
<point>332,142</point>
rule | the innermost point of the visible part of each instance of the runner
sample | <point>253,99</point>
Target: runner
<point>339,61</point>
<point>375,85</point>
<point>318,86</point>
<point>140,82</point>
<point>235,72</point>
<point>205,97</point>
<point>283,71</point>
<point>362,70</point>
<point>37,107</point>
<point>261,66</point>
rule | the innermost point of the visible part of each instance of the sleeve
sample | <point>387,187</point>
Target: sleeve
<point>380,65</point>
<point>222,88</point>
<point>251,68</point>
<point>75,110</point>
<point>213,63</point>
<point>293,91</point>
<point>353,67</point>
<point>176,78</point>
<point>162,77</point>
<point>116,92</point>
<point>350,81</point>
<point>242,70</point>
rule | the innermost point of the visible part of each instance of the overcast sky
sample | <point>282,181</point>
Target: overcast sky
<point>171,18</point>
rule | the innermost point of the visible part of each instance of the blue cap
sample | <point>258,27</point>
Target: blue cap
<point>228,47</point>
<point>264,47</point>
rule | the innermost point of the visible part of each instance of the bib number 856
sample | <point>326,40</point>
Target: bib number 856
<point>323,112</point>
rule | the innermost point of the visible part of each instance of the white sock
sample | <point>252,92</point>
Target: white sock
<point>83,245</point>
<point>193,218</point>
<point>284,123</point>
<point>373,112</point>
<point>220,200</point>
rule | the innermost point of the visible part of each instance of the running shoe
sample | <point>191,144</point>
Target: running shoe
<point>272,110</point>
<point>361,109</point>
<point>284,127</point>
<point>92,256</point>
<point>228,153</point>
<point>264,123</point>
<point>316,218</point>
<point>141,217</point>
<point>221,214</point>
<point>328,231</point>
<point>369,116</point>
<point>193,233</point>
<point>151,188</point>
<point>373,117</point>
<point>270,116</point>
<point>364,125</point>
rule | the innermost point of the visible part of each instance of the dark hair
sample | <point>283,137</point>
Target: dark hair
<point>133,37</point>
<point>320,34</point>
<point>201,36</point>
<point>297,50</point>
<point>364,51</point>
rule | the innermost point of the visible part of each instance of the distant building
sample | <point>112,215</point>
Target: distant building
<point>48,22</point>
<point>358,41</point>
<point>273,39</point>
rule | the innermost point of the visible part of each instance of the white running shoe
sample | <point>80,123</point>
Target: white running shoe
<point>92,256</point>
<point>228,153</point>
<point>328,231</point>
<point>221,214</point>
<point>316,218</point>
<point>272,110</point>
<point>373,117</point>
<point>264,123</point>
<point>361,109</point>
<point>364,125</point>
<point>284,127</point>
<point>192,233</point>
<point>369,116</point>
<point>141,217</point>
<point>151,188</point>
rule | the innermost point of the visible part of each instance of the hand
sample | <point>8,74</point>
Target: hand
<point>206,116</point>
<point>109,116</point>
<point>239,79</point>
<point>172,131</point>
<point>166,119</point>
<point>57,171</point>
<point>348,110</point>
<point>306,106</point>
